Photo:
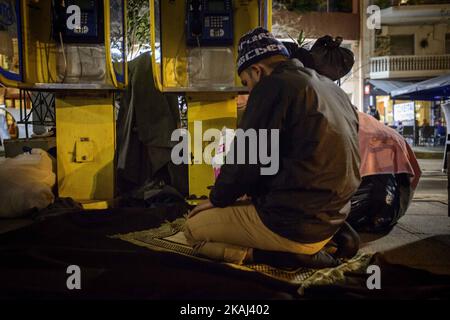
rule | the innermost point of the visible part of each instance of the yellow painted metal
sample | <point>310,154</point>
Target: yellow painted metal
<point>173,39</point>
<point>171,74</point>
<point>40,49</point>
<point>269,15</point>
<point>213,111</point>
<point>109,62</point>
<point>125,39</point>
<point>107,18</point>
<point>85,124</point>
<point>95,205</point>
<point>246,17</point>
<point>85,119</point>
<point>8,83</point>
<point>25,40</point>
<point>84,150</point>
<point>11,83</point>
<point>156,67</point>
<point>29,55</point>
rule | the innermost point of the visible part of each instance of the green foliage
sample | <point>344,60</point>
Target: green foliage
<point>138,25</point>
<point>383,4</point>
<point>304,5</point>
<point>301,38</point>
<point>317,5</point>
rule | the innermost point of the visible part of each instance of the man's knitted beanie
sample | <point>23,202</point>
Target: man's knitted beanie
<point>257,45</point>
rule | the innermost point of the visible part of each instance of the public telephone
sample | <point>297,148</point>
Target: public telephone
<point>78,30</point>
<point>209,23</point>
<point>78,21</point>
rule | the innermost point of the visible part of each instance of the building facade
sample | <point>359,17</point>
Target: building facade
<point>410,44</point>
<point>319,18</point>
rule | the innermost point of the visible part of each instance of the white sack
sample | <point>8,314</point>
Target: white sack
<point>26,182</point>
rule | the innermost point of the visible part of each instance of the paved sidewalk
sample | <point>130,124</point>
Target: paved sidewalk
<point>433,183</point>
<point>421,239</point>
<point>429,152</point>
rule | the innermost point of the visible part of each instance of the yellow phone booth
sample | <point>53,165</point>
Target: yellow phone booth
<point>11,57</point>
<point>195,48</point>
<point>76,50</point>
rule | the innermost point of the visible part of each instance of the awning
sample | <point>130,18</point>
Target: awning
<point>388,86</point>
<point>433,89</point>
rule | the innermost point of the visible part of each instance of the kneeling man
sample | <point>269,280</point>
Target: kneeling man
<point>302,206</point>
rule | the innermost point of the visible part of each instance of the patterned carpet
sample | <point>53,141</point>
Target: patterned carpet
<point>170,238</point>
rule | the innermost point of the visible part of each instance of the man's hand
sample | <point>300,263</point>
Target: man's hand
<point>200,207</point>
<point>244,198</point>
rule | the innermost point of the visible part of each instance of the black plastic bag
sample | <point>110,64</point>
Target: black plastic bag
<point>154,194</point>
<point>330,59</point>
<point>300,53</point>
<point>291,47</point>
<point>380,202</point>
<point>305,57</point>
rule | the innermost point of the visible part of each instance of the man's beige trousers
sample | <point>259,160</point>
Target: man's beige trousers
<point>227,234</point>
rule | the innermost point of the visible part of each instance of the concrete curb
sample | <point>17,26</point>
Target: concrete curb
<point>429,155</point>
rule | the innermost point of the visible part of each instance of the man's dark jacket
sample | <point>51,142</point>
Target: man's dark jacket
<point>318,155</point>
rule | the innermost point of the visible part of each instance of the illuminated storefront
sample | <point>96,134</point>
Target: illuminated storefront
<point>426,112</point>
<point>416,120</point>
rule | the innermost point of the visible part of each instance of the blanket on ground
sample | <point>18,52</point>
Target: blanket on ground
<point>34,262</point>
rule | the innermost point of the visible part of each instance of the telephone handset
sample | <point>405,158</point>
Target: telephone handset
<point>196,19</point>
<point>90,29</point>
<point>209,22</point>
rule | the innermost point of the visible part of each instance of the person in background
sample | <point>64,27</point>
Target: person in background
<point>390,174</point>
<point>4,133</point>
<point>441,132</point>
<point>389,170</point>
<point>374,113</point>
<point>400,128</point>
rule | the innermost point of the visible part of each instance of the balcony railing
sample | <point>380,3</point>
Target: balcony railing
<point>409,66</point>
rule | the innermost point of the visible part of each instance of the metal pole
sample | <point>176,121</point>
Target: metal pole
<point>393,111</point>
<point>20,104</point>
<point>26,115</point>
<point>414,138</point>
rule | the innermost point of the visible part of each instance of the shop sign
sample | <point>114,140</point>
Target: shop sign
<point>404,111</point>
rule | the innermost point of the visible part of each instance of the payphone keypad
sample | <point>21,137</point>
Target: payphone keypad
<point>84,18</point>
<point>217,22</point>
<point>91,27</point>
<point>209,22</point>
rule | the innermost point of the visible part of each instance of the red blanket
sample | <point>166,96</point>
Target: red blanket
<point>383,150</point>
